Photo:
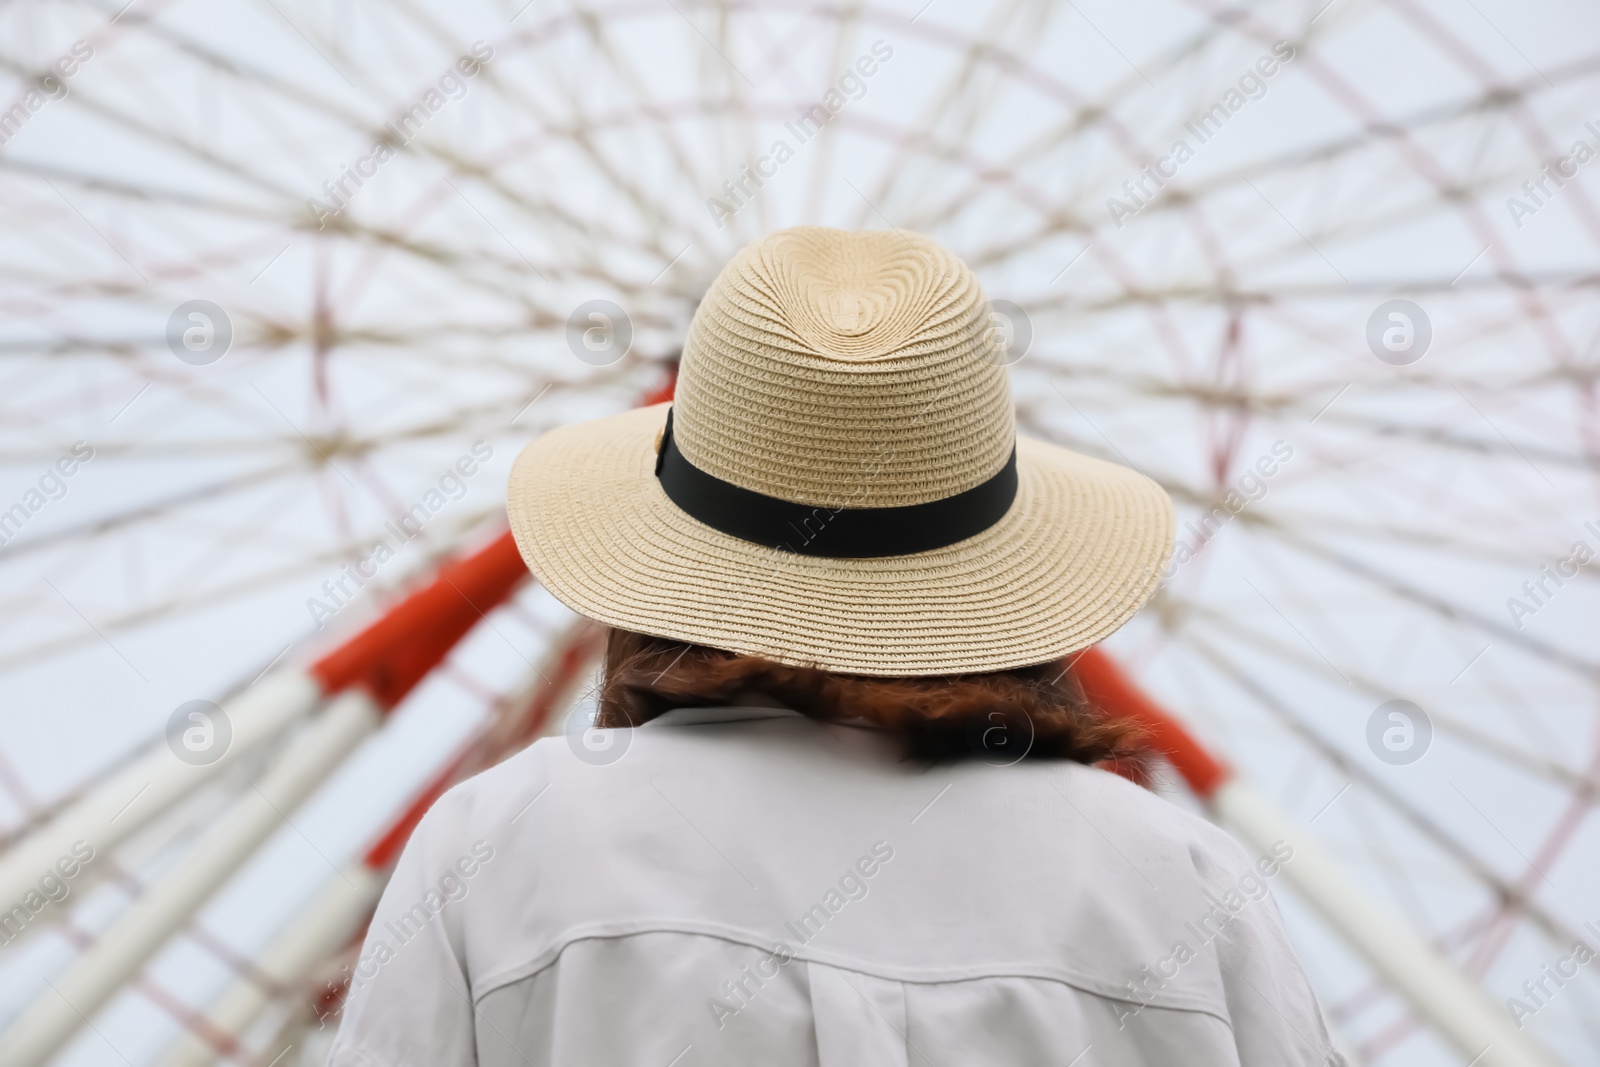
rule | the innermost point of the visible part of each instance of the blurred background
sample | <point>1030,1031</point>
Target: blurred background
<point>285,286</point>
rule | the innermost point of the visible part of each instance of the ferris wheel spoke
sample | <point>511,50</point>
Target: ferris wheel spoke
<point>152,510</point>
<point>1321,156</point>
<point>938,104</point>
<point>1552,927</point>
<point>1358,532</point>
<point>580,133</point>
<point>1496,746</point>
<point>131,193</point>
<point>1372,426</point>
<point>129,120</point>
<point>306,565</point>
<point>1535,136</point>
<point>1495,929</point>
<point>1438,605</point>
<point>821,171</point>
<point>578,20</point>
<point>1087,114</point>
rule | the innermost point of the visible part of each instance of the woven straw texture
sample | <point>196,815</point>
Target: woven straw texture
<point>845,370</point>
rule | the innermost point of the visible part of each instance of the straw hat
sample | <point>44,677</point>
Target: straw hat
<point>839,483</point>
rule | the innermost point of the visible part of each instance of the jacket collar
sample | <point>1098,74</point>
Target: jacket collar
<point>704,716</point>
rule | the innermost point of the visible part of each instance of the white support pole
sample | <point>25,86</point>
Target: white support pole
<point>130,799</point>
<point>309,938</point>
<point>1480,1030</point>
<point>326,924</point>
<point>169,905</point>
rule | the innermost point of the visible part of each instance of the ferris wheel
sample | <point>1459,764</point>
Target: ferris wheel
<point>287,285</point>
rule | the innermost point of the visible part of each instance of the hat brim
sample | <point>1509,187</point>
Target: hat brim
<point>1080,550</point>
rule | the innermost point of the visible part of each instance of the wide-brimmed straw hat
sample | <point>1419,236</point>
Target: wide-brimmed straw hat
<point>838,482</point>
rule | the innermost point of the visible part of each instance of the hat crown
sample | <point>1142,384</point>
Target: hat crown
<point>845,370</point>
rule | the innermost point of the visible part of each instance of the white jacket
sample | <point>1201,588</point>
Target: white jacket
<point>749,886</point>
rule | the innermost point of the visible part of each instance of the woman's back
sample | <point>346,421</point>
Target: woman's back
<point>754,886</point>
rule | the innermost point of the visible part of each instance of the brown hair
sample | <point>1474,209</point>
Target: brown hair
<point>1036,712</point>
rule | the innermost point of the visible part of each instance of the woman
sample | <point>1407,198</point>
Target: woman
<point>847,806</point>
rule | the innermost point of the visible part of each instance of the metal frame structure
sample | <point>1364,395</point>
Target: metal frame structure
<point>1269,248</point>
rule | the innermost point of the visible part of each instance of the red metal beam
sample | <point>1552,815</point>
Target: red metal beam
<point>1107,685</point>
<point>397,651</point>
